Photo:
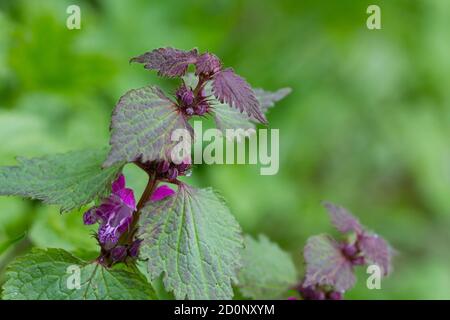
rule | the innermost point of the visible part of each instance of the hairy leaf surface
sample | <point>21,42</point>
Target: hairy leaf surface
<point>69,180</point>
<point>267,270</point>
<point>326,264</point>
<point>343,220</point>
<point>267,99</point>
<point>233,90</point>
<point>194,241</point>
<point>230,118</point>
<point>376,251</point>
<point>49,275</point>
<point>168,62</point>
<point>142,125</point>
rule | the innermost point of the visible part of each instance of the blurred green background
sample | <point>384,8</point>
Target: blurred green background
<point>367,125</point>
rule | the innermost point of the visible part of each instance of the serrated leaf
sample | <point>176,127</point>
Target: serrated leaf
<point>69,180</point>
<point>326,264</point>
<point>267,99</point>
<point>230,118</point>
<point>207,63</point>
<point>233,90</point>
<point>44,275</point>
<point>342,219</point>
<point>267,270</point>
<point>376,251</point>
<point>141,126</point>
<point>191,238</point>
<point>168,62</point>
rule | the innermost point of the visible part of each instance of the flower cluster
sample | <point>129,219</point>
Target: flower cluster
<point>114,216</point>
<point>191,104</point>
<point>227,86</point>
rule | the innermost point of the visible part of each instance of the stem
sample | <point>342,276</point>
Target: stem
<point>201,82</point>
<point>151,186</point>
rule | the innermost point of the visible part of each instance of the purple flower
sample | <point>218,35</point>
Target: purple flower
<point>335,295</point>
<point>170,171</point>
<point>311,293</point>
<point>118,253</point>
<point>185,96</point>
<point>133,251</point>
<point>202,108</point>
<point>114,214</point>
<point>161,193</point>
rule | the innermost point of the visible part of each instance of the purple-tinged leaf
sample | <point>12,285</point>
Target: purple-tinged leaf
<point>141,127</point>
<point>168,62</point>
<point>326,264</point>
<point>230,88</point>
<point>343,220</point>
<point>267,99</point>
<point>376,251</point>
<point>207,64</point>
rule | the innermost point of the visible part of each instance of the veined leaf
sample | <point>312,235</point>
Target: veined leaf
<point>141,127</point>
<point>51,275</point>
<point>327,265</point>
<point>168,62</point>
<point>342,219</point>
<point>230,118</point>
<point>69,180</point>
<point>191,238</point>
<point>376,251</point>
<point>233,90</point>
<point>267,99</point>
<point>267,270</point>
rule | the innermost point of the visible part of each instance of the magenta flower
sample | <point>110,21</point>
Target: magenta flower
<point>114,214</point>
<point>162,193</point>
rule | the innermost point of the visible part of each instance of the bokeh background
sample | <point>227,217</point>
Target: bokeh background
<point>367,125</point>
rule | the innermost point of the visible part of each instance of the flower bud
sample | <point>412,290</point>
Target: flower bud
<point>335,295</point>
<point>185,95</point>
<point>172,174</point>
<point>189,111</point>
<point>201,108</point>
<point>118,253</point>
<point>349,250</point>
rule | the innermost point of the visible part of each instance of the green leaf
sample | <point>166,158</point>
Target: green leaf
<point>267,270</point>
<point>70,180</point>
<point>267,99</point>
<point>141,126</point>
<point>230,118</point>
<point>192,238</point>
<point>48,275</point>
